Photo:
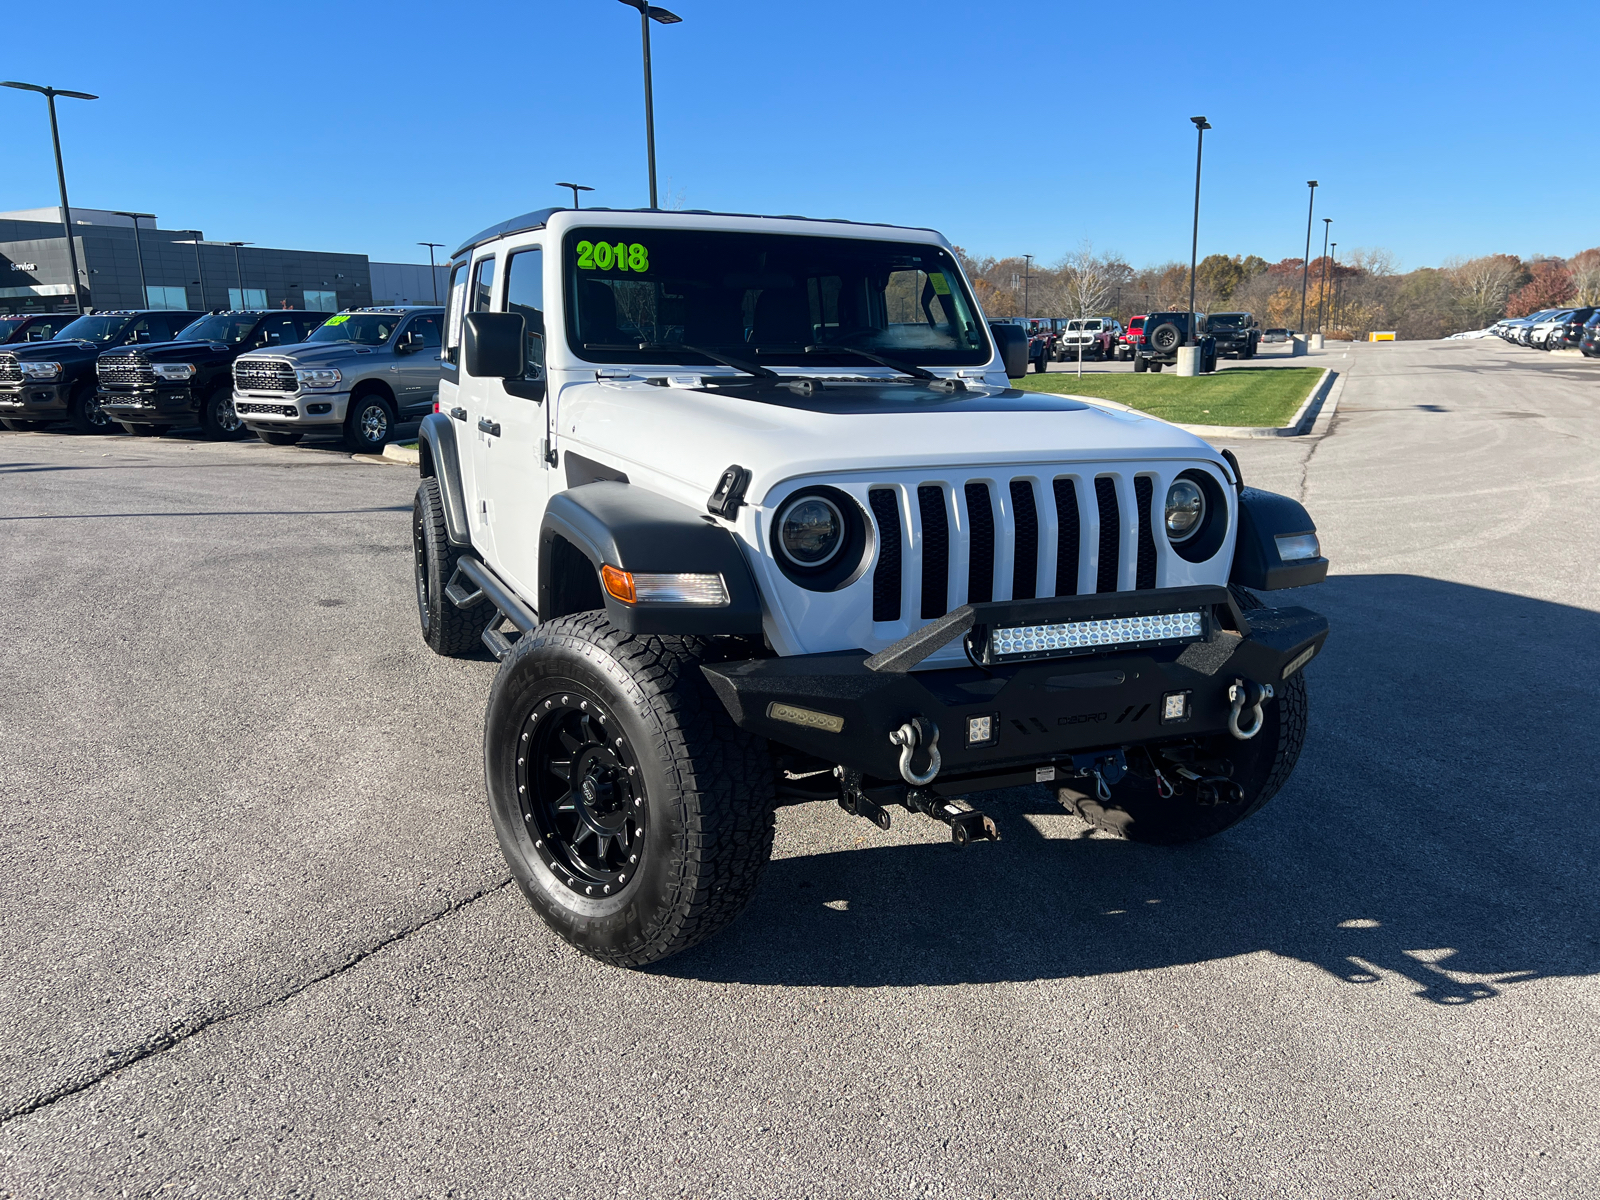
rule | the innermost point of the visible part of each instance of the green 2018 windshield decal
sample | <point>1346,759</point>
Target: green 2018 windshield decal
<point>605,256</point>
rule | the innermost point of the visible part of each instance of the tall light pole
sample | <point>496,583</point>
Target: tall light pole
<point>578,187</point>
<point>144,289</point>
<point>1333,257</point>
<point>50,94</point>
<point>1322,284</point>
<point>433,271</point>
<point>1200,127</point>
<point>1027,268</point>
<point>238,272</point>
<point>1305,263</point>
<point>647,13</point>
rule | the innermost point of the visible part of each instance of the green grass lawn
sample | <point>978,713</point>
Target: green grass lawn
<point>1238,396</point>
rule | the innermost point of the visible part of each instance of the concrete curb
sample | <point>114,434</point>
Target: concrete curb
<point>405,455</point>
<point>1301,423</point>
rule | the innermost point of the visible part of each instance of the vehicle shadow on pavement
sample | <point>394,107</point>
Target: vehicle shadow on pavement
<point>1440,829</point>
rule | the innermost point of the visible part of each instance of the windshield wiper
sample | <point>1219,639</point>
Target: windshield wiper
<point>893,364</point>
<point>736,363</point>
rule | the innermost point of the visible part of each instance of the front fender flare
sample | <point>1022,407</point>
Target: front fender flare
<point>1263,517</point>
<point>624,526</point>
<point>437,457</point>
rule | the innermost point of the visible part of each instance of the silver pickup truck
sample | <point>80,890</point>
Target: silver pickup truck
<point>360,372</point>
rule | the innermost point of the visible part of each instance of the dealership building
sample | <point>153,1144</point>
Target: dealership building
<point>126,262</point>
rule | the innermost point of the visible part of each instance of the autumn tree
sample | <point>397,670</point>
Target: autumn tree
<point>1483,286</point>
<point>1551,285</point>
<point>1585,268</point>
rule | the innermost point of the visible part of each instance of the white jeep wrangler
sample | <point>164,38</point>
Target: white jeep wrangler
<point>750,515</point>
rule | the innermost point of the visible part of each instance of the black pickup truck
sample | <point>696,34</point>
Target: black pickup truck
<point>55,380</point>
<point>148,390</point>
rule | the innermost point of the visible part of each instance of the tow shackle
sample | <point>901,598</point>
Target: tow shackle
<point>1248,697</point>
<point>917,731</point>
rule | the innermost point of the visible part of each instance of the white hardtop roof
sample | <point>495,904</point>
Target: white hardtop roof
<point>558,219</point>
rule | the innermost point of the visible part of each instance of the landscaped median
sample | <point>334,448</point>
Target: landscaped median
<point>1258,397</point>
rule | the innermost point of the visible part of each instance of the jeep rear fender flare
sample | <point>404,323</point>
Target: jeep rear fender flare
<point>437,458</point>
<point>625,526</point>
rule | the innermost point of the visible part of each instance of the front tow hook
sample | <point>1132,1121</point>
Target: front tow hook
<point>1247,697</point>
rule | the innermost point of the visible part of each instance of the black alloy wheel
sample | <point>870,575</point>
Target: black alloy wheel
<point>86,414</point>
<point>218,420</point>
<point>581,795</point>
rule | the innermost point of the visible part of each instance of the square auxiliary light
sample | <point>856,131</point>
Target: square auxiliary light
<point>1175,707</point>
<point>982,731</point>
<point>1091,637</point>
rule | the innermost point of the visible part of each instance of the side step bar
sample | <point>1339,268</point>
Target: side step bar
<point>507,607</point>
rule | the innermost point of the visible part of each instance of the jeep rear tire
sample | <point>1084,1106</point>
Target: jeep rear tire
<point>1261,766</point>
<point>274,438</point>
<point>218,421</point>
<point>448,630</point>
<point>1139,364</point>
<point>1166,337</point>
<point>634,815</point>
<point>368,424</point>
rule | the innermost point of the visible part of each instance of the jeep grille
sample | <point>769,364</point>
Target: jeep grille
<point>979,539</point>
<point>124,370</point>
<point>263,375</point>
<point>10,372</point>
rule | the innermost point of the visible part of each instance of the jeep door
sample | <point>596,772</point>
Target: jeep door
<point>515,475</point>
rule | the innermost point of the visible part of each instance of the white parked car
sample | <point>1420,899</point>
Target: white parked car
<point>751,515</point>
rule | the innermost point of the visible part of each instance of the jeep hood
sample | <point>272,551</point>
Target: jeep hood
<point>780,434</point>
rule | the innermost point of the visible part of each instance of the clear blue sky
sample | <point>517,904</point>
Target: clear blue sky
<point>1435,129</point>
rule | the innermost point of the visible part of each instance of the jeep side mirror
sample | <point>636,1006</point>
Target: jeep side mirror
<point>491,345</point>
<point>1012,342</point>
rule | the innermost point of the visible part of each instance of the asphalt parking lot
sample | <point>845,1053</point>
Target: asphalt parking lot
<point>259,940</point>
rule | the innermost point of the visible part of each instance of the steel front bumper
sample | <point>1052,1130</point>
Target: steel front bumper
<point>148,405</point>
<point>34,401</point>
<point>840,709</point>
<point>290,410</point>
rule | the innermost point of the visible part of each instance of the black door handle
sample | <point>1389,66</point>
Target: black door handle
<point>492,428</point>
<point>459,414</point>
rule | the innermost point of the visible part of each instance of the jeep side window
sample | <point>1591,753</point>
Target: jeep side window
<point>457,299</point>
<point>525,295</point>
<point>482,282</point>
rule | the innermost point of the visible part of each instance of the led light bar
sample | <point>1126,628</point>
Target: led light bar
<point>1088,637</point>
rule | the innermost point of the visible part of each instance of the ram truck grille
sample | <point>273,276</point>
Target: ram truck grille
<point>244,408</point>
<point>263,376</point>
<point>10,372</point>
<point>124,370</point>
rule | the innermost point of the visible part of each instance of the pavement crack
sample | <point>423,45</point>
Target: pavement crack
<point>164,1042</point>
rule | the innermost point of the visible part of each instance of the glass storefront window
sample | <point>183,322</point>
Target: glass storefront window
<point>166,297</point>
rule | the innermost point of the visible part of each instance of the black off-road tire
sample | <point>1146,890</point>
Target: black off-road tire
<point>218,421</point>
<point>1165,337</point>
<point>369,424</point>
<point>85,414</point>
<point>448,630</point>
<point>1261,766</point>
<point>273,438</point>
<point>706,787</point>
<point>1156,367</point>
<point>1040,366</point>
<point>1140,365</point>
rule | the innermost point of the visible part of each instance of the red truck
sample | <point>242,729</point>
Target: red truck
<point>1132,338</point>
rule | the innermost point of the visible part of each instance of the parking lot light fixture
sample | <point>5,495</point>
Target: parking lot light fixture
<point>647,13</point>
<point>576,188</point>
<point>50,94</point>
<point>1322,284</point>
<point>1305,263</point>
<point>144,289</point>
<point>433,271</point>
<point>1200,127</point>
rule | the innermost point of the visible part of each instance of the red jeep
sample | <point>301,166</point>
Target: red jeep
<point>1131,339</point>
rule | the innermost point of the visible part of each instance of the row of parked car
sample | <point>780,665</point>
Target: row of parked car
<point>278,373</point>
<point>1554,329</point>
<point>1069,339</point>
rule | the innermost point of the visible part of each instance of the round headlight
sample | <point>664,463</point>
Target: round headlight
<point>1186,509</point>
<point>810,531</point>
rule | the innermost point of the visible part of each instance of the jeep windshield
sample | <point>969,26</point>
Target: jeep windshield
<point>231,328</point>
<point>776,299</point>
<point>103,330</point>
<point>1225,321</point>
<point>366,329</point>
